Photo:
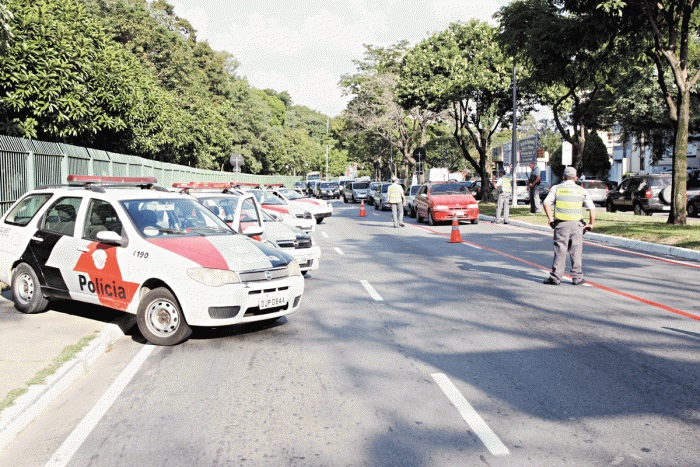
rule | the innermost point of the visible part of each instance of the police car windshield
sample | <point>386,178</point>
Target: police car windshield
<point>265,197</point>
<point>291,194</point>
<point>174,217</point>
<point>222,206</point>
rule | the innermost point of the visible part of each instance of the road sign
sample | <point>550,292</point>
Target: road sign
<point>528,149</point>
<point>419,155</point>
<point>236,161</point>
<point>566,153</point>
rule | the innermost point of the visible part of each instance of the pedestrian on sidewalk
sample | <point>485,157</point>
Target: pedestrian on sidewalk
<point>397,200</point>
<point>564,208</point>
<point>533,184</point>
<point>505,192</point>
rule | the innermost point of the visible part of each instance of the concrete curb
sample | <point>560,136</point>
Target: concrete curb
<point>636,245</point>
<point>16,417</point>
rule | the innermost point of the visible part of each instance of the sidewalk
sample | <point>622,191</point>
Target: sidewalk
<point>31,344</point>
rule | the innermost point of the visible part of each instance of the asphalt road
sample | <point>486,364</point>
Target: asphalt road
<point>409,350</point>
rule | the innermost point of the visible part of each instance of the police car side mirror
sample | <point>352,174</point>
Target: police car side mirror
<point>253,230</point>
<point>107,236</point>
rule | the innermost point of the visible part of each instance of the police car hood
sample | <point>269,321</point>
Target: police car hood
<point>277,231</point>
<point>234,252</point>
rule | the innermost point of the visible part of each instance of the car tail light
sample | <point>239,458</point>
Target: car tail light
<point>647,194</point>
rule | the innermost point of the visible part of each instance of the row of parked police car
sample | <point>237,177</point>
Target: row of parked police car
<point>195,254</point>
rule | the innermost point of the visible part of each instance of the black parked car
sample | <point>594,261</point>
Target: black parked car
<point>694,206</point>
<point>643,194</point>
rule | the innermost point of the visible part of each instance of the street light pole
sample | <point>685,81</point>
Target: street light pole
<point>513,146</point>
<point>328,122</point>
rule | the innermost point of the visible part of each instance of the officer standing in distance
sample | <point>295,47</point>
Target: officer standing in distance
<point>397,200</point>
<point>533,184</point>
<point>563,206</point>
<point>505,191</point>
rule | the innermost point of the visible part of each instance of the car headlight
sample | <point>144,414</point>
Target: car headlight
<point>441,207</point>
<point>307,215</point>
<point>213,277</point>
<point>294,269</point>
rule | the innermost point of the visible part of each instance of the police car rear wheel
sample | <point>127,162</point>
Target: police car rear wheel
<point>160,318</point>
<point>26,291</point>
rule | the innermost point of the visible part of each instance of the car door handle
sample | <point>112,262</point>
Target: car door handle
<point>37,239</point>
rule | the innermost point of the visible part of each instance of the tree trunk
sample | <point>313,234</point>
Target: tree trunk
<point>677,215</point>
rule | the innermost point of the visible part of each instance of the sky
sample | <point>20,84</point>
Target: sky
<point>305,47</point>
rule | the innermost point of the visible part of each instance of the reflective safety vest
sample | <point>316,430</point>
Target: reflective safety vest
<point>506,184</point>
<point>394,193</point>
<point>568,204</point>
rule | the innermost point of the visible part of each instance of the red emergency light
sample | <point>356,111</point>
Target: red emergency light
<point>245,184</point>
<point>270,185</point>
<point>212,185</point>
<point>102,179</point>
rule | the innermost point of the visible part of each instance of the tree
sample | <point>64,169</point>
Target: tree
<point>5,28</point>
<point>596,161</point>
<point>673,27</point>
<point>572,57</point>
<point>374,108</point>
<point>463,71</point>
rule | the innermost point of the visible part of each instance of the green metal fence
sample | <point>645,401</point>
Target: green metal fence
<point>26,164</point>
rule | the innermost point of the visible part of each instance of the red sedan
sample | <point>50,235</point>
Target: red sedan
<point>442,201</point>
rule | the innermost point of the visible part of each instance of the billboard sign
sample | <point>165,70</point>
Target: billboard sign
<point>528,149</point>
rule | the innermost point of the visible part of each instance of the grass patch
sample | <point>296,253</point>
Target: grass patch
<point>652,229</point>
<point>40,378</point>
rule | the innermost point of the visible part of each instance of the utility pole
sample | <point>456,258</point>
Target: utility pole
<point>514,145</point>
<point>328,122</point>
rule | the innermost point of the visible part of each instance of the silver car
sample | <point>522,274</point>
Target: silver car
<point>355,192</point>
<point>597,189</point>
<point>409,208</point>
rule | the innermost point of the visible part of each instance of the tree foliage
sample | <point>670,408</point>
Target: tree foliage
<point>464,72</point>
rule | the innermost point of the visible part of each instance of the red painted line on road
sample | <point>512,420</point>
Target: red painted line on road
<point>593,284</point>
<point>606,247</point>
<point>645,301</point>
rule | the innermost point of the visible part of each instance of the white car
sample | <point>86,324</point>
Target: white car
<point>318,208</point>
<point>165,257</point>
<point>243,213</point>
<point>283,211</point>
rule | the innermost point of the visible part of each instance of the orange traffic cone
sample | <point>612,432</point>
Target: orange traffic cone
<point>455,236</point>
<point>363,213</point>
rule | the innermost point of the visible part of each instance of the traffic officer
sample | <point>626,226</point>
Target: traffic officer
<point>397,200</point>
<point>505,190</point>
<point>563,206</point>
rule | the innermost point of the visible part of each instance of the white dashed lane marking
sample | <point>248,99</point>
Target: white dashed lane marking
<point>475,422</point>
<point>370,290</point>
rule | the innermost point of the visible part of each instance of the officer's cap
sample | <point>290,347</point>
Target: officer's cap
<point>570,172</point>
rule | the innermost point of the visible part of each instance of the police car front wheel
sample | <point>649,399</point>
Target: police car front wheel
<point>160,318</point>
<point>26,290</point>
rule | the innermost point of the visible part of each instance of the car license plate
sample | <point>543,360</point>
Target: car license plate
<point>459,213</point>
<point>272,299</point>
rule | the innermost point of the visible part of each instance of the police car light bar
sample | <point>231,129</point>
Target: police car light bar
<point>271,185</point>
<point>101,179</point>
<point>214,185</point>
<point>245,184</point>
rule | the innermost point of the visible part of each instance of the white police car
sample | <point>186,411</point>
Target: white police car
<point>119,243</point>
<point>319,209</point>
<point>241,211</point>
<point>283,211</point>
